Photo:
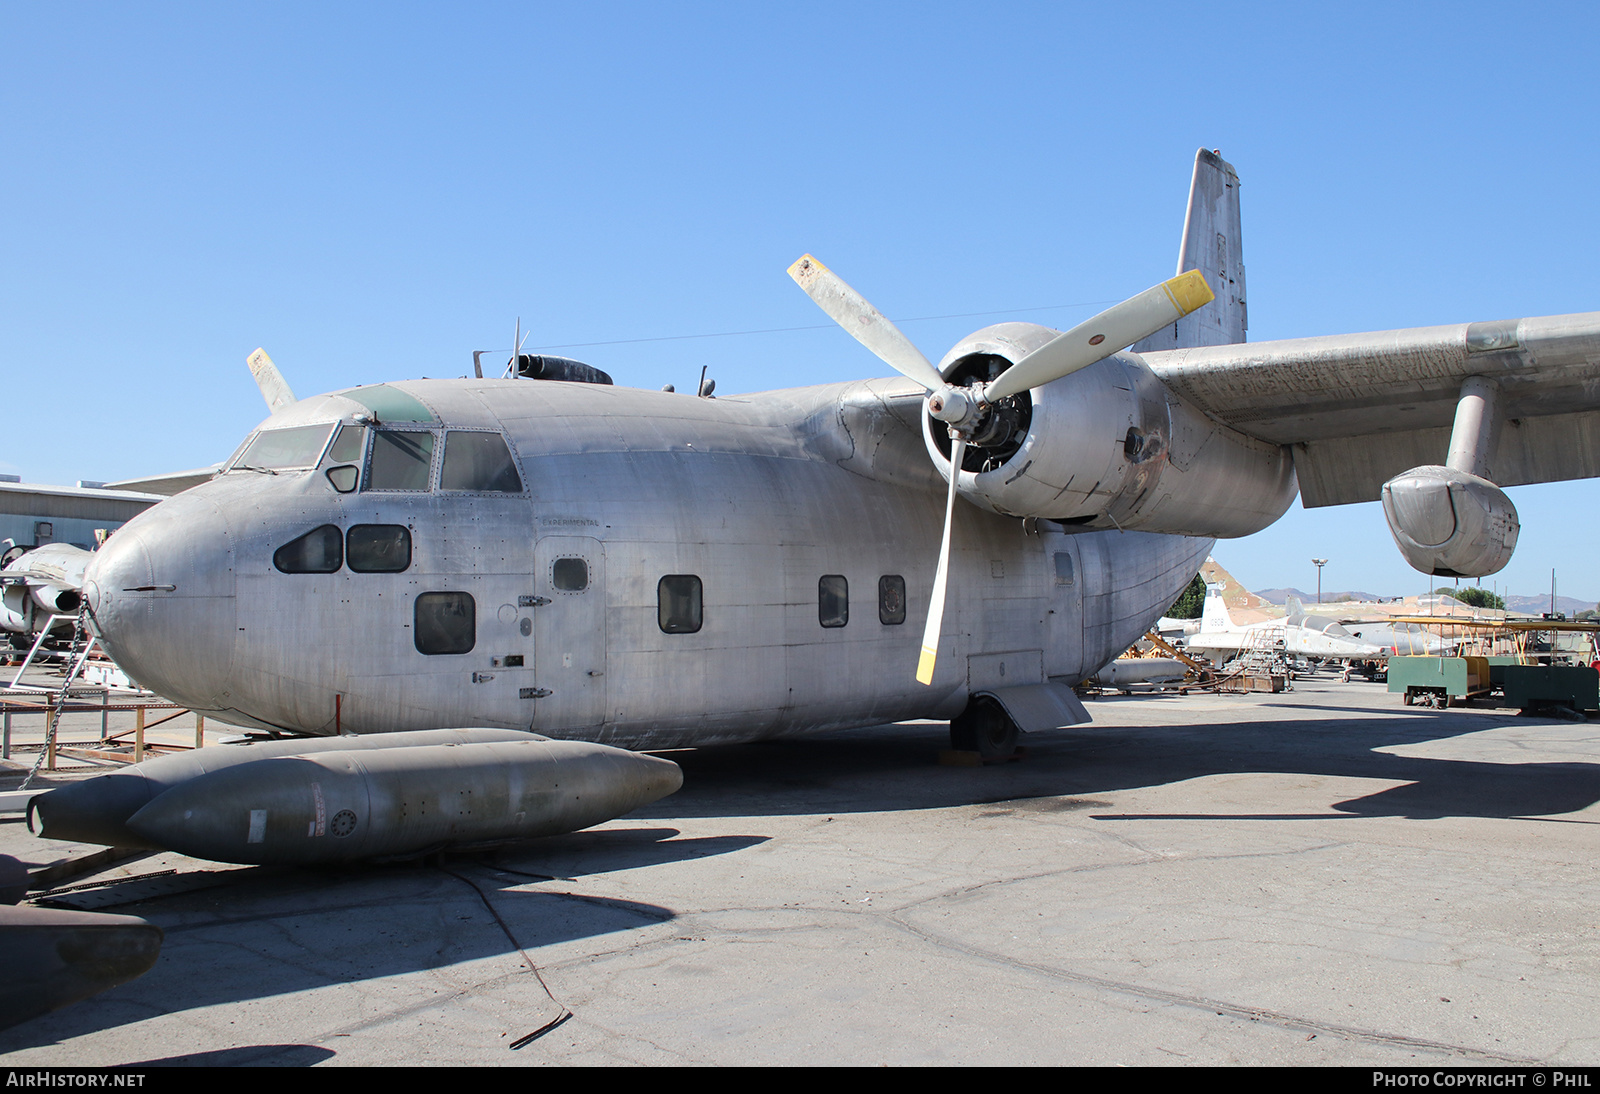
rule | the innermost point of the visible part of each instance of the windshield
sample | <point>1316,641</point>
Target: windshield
<point>274,449</point>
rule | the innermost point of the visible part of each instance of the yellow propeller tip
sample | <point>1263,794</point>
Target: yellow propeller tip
<point>804,268</point>
<point>1189,291</point>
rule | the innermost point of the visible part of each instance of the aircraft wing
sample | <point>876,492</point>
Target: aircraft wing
<point>171,483</point>
<point>85,503</point>
<point>1359,409</point>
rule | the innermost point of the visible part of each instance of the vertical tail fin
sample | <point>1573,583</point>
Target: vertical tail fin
<point>1214,616</point>
<point>1211,244</point>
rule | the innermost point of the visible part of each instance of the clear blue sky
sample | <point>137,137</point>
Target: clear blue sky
<point>373,191</point>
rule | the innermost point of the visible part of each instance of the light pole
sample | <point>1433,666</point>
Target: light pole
<point>1319,563</point>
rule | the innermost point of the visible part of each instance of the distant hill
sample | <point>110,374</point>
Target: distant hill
<point>1538,605</point>
<point>1519,605</point>
<point>1281,596</point>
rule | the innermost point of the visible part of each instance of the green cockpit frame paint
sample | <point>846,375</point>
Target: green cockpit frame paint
<point>390,404</point>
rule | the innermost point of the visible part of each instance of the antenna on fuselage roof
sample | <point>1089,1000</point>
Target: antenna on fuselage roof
<point>512,372</point>
<point>706,386</point>
<point>517,339</point>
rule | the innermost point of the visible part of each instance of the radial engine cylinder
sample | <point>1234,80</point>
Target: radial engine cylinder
<point>1450,523</point>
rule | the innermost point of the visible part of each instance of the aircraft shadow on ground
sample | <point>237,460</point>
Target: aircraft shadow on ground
<point>245,1056</point>
<point>894,768</point>
<point>273,931</point>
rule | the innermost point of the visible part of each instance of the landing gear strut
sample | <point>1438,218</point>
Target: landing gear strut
<point>985,728</point>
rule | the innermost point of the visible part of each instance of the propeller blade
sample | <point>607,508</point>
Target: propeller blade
<point>864,323</point>
<point>274,388</point>
<point>1118,327</point>
<point>930,633</point>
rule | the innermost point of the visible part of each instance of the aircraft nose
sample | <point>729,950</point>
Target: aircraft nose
<point>161,600</point>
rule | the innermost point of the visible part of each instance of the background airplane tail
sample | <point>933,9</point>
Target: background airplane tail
<point>1214,616</point>
<point>1211,244</point>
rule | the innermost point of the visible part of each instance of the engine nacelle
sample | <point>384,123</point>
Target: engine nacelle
<point>1450,523</point>
<point>1109,446</point>
<point>57,599</point>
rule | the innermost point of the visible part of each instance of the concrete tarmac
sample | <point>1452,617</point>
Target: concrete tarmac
<point>1320,877</point>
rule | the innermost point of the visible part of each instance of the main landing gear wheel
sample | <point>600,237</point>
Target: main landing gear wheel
<point>985,728</point>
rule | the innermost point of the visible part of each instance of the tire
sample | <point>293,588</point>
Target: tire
<point>985,728</point>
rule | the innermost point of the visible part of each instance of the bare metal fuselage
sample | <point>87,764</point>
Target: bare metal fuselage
<point>758,496</point>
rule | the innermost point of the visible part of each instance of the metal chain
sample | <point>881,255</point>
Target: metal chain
<point>54,724</point>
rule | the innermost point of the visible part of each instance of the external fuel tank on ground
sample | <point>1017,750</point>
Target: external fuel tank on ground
<point>342,799</point>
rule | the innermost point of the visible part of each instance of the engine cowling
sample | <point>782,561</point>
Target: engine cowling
<point>1109,446</point>
<point>1450,523</point>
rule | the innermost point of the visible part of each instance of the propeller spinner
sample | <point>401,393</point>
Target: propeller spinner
<point>963,407</point>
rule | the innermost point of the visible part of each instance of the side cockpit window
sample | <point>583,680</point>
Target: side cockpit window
<point>479,462</point>
<point>400,460</point>
<point>319,551</point>
<point>344,457</point>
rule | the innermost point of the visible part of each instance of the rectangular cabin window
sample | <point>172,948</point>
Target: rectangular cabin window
<point>400,460</point>
<point>279,449</point>
<point>891,599</point>
<point>1063,568</point>
<point>833,600</point>
<point>378,548</point>
<point>679,604</point>
<point>480,462</point>
<point>445,623</point>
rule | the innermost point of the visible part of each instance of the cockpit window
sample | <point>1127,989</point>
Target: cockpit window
<point>479,462</point>
<point>319,551</point>
<point>277,449</point>
<point>400,460</point>
<point>347,446</point>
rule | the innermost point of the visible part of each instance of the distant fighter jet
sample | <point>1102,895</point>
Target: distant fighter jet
<point>1401,639</point>
<point>1302,635</point>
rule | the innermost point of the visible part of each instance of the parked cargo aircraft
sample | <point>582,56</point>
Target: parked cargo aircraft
<point>654,569</point>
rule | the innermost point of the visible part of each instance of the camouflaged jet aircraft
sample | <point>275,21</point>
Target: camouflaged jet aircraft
<point>549,552</point>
